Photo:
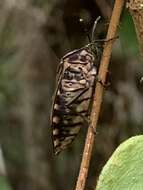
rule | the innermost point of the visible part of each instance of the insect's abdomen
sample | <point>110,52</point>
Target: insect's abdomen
<point>73,97</point>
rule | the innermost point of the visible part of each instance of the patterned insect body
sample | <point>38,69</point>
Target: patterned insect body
<point>75,82</point>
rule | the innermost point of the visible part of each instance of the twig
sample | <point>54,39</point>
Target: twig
<point>136,10</point>
<point>118,6</point>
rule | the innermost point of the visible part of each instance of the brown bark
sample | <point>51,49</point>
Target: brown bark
<point>136,10</point>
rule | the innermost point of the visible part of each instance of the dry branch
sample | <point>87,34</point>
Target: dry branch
<point>136,10</point>
<point>118,6</point>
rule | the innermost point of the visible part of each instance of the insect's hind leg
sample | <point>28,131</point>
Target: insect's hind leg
<point>88,122</point>
<point>77,96</point>
<point>85,118</point>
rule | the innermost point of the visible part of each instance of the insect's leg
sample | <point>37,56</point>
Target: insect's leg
<point>102,41</point>
<point>106,40</point>
<point>86,119</point>
<point>77,96</point>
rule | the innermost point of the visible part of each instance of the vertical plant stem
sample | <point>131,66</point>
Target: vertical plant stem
<point>136,10</point>
<point>118,6</point>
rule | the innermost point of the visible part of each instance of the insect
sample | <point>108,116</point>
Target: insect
<point>73,96</point>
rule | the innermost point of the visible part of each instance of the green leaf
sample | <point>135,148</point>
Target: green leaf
<point>124,170</point>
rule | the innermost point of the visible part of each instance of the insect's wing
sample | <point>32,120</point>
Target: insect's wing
<point>72,97</point>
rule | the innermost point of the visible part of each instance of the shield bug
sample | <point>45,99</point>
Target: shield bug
<point>73,96</point>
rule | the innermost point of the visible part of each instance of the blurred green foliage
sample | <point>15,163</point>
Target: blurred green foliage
<point>127,35</point>
<point>4,185</point>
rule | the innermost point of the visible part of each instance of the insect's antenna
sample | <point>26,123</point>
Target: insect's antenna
<point>94,27</point>
<point>88,36</point>
<point>85,31</point>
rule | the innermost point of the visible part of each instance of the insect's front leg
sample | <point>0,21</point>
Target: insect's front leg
<point>85,118</point>
<point>105,40</point>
